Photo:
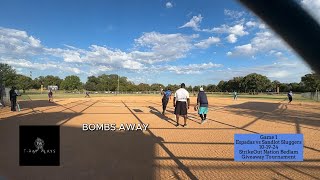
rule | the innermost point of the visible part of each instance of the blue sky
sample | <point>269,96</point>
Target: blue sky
<point>150,41</point>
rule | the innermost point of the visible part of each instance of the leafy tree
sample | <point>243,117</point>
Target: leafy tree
<point>296,87</point>
<point>284,87</point>
<point>173,87</point>
<point>71,83</point>
<point>189,88</point>
<point>90,86</point>
<point>23,82</point>
<point>143,87</point>
<point>156,87</point>
<point>311,82</point>
<point>36,83</point>
<point>7,75</point>
<point>104,83</point>
<point>274,85</point>
<point>222,86</point>
<point>52,81</point>
<point>196,88</point>
<point>256,82</point>
<point>212,88</point>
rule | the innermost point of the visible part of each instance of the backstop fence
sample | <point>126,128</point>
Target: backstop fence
<point>4,96</point>
<point>312,95</point>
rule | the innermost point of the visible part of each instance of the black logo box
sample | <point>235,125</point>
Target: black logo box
<point>48,153</point>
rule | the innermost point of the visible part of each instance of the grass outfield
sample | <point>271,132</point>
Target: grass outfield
<point>60,95</point>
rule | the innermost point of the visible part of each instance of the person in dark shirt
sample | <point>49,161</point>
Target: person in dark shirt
<point>202,103</point>
<point>165,99</point>
<point>13,98</point>
<point>290,97</point>
<point>2,94</point>
<point>50,94</point>
<point>87,94</point>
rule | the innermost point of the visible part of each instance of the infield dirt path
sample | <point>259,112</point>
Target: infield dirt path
<point>163,151</point>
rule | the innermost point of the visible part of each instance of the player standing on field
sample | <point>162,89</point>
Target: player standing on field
<point>235,95</point>
<point>13,98</point>
<point>165,99</point>
<point>290,97</point>
<point>50,95</point>
<point>202,103</point>
<point>181,102</point>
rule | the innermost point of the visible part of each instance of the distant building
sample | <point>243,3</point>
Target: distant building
<point>53,88</point>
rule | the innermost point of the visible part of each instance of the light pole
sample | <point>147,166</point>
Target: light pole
<point>118,89</point>
<point>118,83</point>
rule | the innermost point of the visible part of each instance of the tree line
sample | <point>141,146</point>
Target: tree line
<point>251,83</point>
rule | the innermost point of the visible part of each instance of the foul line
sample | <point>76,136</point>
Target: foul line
<point>172,156</point>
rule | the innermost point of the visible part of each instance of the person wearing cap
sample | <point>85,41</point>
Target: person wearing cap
<point>13,98</point>
<point>202,103</point>
<point>181,103</point>
<point>165,99</point>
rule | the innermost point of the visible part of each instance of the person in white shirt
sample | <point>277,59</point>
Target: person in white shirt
<point>181,103</point>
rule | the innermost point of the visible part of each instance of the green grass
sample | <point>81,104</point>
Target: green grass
<point>62,95</point>
<point>36,95</point>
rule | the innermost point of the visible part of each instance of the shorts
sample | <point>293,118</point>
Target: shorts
<point>203,110</point>
<point>290,99</point>
<point>181,108</point>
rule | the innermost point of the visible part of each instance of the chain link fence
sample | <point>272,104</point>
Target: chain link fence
<point>312,95</point>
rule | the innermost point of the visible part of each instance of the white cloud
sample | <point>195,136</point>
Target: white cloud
<point>281,70</point>
<point>229,53</point>
<point>262,42</point>
<point>313,7</point>
<point>169,5</point>
<point>207,42</point>
<point>156,47</point>
<point>193,23</point>
<point>162,47</point>
<point>69,55</point>
<point>22,63</point>
<point>262,26</point>
<point>99,69</point>
<point>186,69</point>
<point>237,29</point>
<point>233,14</point>
<point>251,24</point>
<point>246,49</point>
<point>279,74</point>
<point>19,43</point>
<point>232,38</point>
<point>152,47</point>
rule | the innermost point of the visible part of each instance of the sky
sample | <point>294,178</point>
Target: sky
<point>197,42</point>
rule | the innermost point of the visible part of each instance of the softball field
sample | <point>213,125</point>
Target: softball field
<point>163,151</point>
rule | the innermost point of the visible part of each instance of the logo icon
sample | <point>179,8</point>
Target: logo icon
<point>39,145</point>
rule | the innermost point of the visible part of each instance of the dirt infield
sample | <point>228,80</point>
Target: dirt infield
<point>163,151</point>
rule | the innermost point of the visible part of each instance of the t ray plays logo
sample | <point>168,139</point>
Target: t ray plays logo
<point>39,146</point>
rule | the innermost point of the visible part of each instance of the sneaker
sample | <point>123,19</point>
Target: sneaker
<point>177,125</point>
